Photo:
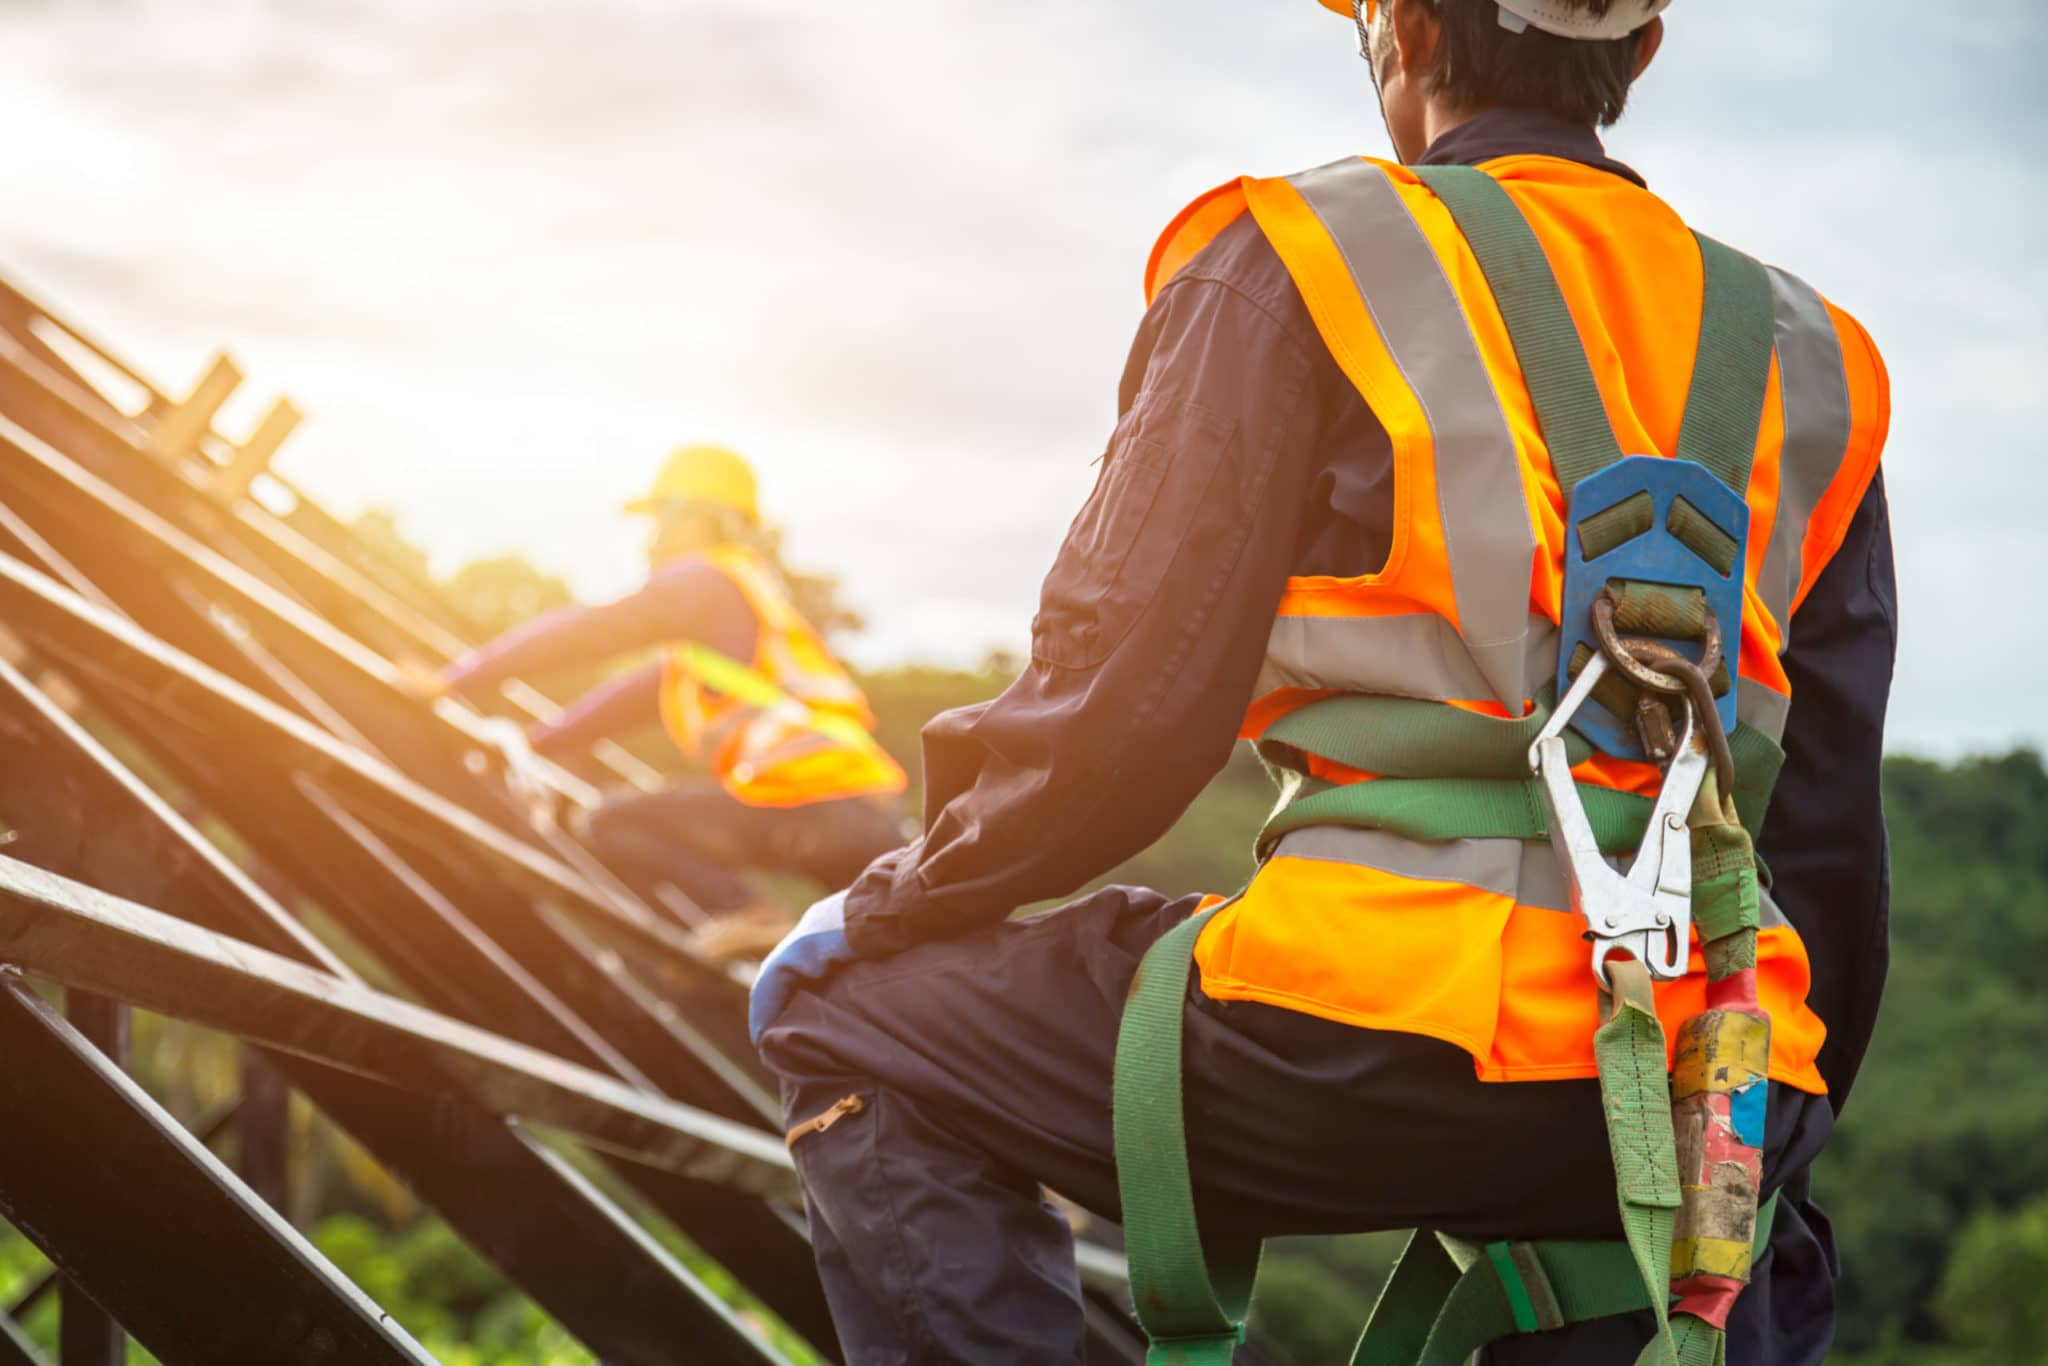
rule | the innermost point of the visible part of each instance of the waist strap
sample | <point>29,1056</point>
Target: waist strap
<point>1454,774</point>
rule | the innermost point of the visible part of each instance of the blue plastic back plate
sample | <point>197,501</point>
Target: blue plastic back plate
<point>1654,556</point>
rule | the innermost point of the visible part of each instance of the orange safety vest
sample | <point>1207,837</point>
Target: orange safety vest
<point>788,727</point>
<point>1471,941</point>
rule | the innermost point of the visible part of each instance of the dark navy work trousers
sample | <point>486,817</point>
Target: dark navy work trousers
<point>984,1066</point>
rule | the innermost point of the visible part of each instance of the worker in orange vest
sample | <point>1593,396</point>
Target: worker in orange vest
<point>1335,520</point>
<point>746,688</point>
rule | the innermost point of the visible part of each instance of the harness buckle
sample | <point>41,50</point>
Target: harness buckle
<point>1647,911</point>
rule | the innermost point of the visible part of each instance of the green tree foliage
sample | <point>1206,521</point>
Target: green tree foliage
<point>442,1293</point>
<point>378,530</point>
<point>1949,1116</point>
<point>1209,850</point>
<point>503,591</point>
<point>1313,1295</point>
<point>906,698</point>
<point>1994,1296</point>
<point>493,594</point>
<point>1989,1302</point>
<point>22,1267</point>
<point>820,597</point>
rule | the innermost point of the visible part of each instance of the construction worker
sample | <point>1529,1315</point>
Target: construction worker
<point>745,687</point>
<point>1338,488</point>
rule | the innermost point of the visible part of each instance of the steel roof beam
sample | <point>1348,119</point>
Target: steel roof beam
<point>84,938</point>
<point>161,1233</point>
<point>459,1160</point>
<point>541,1222</point>
<point>38,604</point>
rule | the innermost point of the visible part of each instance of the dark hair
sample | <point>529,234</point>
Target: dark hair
<point>1483,65</point>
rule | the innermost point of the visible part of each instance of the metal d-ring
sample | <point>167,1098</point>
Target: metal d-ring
<point>1627,652</point>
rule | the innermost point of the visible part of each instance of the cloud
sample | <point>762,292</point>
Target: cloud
<point>507,253</point>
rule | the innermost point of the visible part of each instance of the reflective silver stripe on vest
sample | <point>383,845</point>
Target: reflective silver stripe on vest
<point>1815,389</point>
<point>1525,871</point>
<point>1762,708</point>
<point>1487,532</point>
<point>1414,655</point>
<point>1521,870</point>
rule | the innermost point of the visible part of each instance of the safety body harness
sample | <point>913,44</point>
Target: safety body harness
<point>1654,574</point>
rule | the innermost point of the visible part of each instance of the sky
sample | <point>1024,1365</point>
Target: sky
<point>506,254</point>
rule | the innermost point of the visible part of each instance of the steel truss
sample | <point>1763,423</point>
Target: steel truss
<point>204,742</point>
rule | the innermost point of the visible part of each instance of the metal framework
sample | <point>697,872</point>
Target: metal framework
<point>216,803</point>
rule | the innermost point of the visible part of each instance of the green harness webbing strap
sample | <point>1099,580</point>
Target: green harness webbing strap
<point>1405,737</point>
<point>1732,368</point>
<point>1435,809</point>
<point>1447,1298</point>
<point>1191,1319</point>
<point>1547,344</point>
<point>1635,1090</point>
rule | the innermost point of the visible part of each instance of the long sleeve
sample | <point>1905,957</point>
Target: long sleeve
<point>687,600</point>
<point>1151,629</point>
<point>1824,839</point>
<point>619,705</point>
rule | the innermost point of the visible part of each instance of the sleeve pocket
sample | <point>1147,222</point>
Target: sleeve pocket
<point>1159,469</point>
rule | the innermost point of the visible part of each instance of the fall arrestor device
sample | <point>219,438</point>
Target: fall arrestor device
<point>1624,543</point>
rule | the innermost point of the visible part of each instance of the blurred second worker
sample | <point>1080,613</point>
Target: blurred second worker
<point>793,780</point>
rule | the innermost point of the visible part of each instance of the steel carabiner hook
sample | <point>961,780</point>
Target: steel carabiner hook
<point>1647,911</point>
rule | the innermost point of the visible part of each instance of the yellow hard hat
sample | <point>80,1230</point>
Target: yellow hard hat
<point>702,474</point>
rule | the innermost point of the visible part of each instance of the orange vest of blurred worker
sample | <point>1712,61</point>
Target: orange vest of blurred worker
<point>1470,941</point>
<point>786,728</point>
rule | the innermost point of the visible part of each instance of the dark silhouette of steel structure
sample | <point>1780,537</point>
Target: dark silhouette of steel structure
<point>207,768</point>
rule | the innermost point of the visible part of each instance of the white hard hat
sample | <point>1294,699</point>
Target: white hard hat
<point>1567,20</point>
<point>1561,17</point>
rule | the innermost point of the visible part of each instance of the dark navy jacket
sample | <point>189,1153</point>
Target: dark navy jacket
<point>1154,621</point>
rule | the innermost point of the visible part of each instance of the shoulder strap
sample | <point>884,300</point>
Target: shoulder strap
<point>1731,369</point>
<point>1547,344</point>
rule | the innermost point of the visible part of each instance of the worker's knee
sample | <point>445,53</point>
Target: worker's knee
<point>821,1033</point>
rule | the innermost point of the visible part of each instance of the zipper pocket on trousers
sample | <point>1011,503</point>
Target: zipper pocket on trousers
<point>818,1124</point>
